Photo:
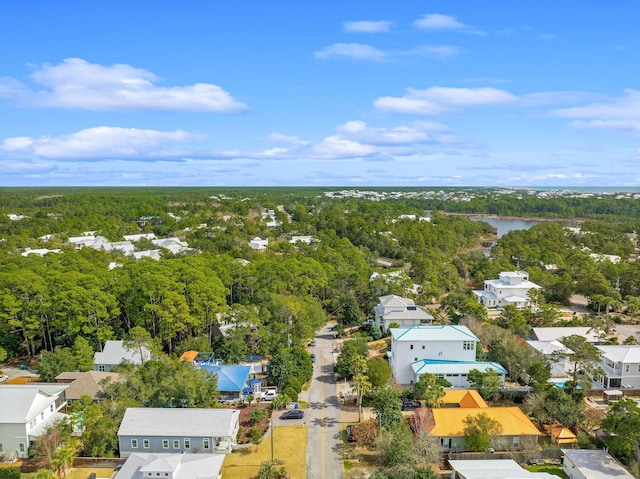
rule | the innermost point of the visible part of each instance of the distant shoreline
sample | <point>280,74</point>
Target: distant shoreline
<point>518,218</point>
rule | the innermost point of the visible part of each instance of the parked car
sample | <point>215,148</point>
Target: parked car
<point>312,343</point>
<point>410,404</point>
<point>4,378</point>
<point>313,357</point>
<point>293,414</point>
<point>268,395</point>
<point>350,436</point>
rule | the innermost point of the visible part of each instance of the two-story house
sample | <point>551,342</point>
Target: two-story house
<point>447,351</point>
<point>621,366</point>
<point>26,411</point>
<point>403,311</point>
<point>512,287</point>
<point>189,430</point>
<point>115,352</point>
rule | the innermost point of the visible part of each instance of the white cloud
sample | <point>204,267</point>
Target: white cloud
<point>436,100</point>
<point>548,36</point>
<point>619,113</point>
<point>417,132</point>
<point>364,26</point>
<point>280,138</point>
<point>76,83</point>
<point>102,142</point>
<point>355,51</point>
<point>362,52</point>
<point>438,21</point>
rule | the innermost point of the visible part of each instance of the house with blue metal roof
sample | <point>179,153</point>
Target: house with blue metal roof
<point>233,380</point>
<point>448,351</point>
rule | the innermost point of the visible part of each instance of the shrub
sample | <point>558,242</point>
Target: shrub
<point>255,435</point>
<point>11,472</point>
<point>294,383</point>
<point>257,415</point>
<point>292,393</point>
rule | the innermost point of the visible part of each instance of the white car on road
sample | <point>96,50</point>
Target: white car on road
<point>4,378</point>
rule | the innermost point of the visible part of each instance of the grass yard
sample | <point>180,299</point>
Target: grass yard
<point>290,448</point>
<point>550,469</point>
<point>83,472</point>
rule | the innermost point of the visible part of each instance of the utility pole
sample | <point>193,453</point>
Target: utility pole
<point>271,426</point>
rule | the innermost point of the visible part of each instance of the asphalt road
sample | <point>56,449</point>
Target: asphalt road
<point>323,415</point>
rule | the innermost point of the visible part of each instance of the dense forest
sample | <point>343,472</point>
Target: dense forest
<point>290,289</point>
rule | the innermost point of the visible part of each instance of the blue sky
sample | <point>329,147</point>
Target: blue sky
<point>376,93</point>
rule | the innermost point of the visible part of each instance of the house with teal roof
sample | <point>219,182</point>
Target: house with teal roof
<point>233,380</point>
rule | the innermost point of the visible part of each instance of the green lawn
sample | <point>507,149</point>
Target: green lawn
<point>550,469</point>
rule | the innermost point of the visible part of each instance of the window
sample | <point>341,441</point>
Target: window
<point>639,368</point>
<point>146,444</point>
<point>627,368</point>
<point>205,443</point>
<point>176,443</point>
<point>411,346</point>
<point>165,444</point>
<point>187,443</point>
<point>423,346</point>
<point>51,408</point>
<point>1,448</point>
<point>468,345</point>
<point>42,415</point>
<point>21,447</point>
<point>134,444</point>
<point>415,359</point>
<point>101,367</point>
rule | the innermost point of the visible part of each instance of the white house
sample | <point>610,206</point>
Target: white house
<point>592,464</point>
<point>446,351</point>
<point>512,287</point>
<point>144,465</point>
<point>25,414</point>
<point>621,365</point>
<point>178,430</point>
<point>138,237</point>
<point>258,244</point>
<point>494,469</point>
<point>172,244</point>
<point>395,309</point>
<point>592,335</point>
<point>40,251</point>
<point>301,239</point>
<point>114,352</point>
<point>151,253</point>
<point>126,247</point>
<point>560,367</point>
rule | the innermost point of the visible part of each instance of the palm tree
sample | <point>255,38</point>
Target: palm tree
<point>361,383</point>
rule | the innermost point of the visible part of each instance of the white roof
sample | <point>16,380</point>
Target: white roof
<point>185,422</point>
<point>114,353</point>
<point>495,469</point>
<point>178,466</point>
<point>138,237</point>
<point>152,253</point>
<point>555,334</point>
<point>549,347</point>
<point>622,353</point>
<point>433,333</point>
<point>26,401</point>
<point>596,464</point>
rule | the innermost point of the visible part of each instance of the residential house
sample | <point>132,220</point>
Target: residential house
<point>125,247</point>
<point>592,464</point>
<point>592,335</point>
<point>447,424</point>
<point>115,352</point>
<point>172,244</point>
<point>512,287</point>
<point>25,414</point>
<point>447,351</point>
<point>270,217</point>
<point>171,466</point>
<point>178,430</point>
<point>138,237</point>
<point>39,251</point>
<point>403,311</point>
<point>493,469</point>
<point>301,239</point>
<point>88,241</point>
<point>151,253</point>
<point>259,244</point>
<point>467,398</point>
<point>87,383</point>
<point>232,379</point>
<point>621,365</point>
<point>555,353</point>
